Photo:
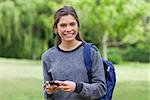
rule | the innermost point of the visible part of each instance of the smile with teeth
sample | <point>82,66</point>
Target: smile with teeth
<point>69,34</point>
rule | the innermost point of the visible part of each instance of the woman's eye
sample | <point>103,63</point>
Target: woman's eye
<point>63,25</point>
<point>72,24</point>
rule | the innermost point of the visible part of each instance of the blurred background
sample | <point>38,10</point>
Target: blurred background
<point>119,28</point>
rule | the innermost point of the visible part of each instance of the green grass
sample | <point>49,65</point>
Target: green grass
<point>128,90</point>
<point>21,89</point>
<point>133,81</point>
<point>22,80</point>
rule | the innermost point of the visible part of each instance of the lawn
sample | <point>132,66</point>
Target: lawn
<point>22,80</point>
<point>132,82</point>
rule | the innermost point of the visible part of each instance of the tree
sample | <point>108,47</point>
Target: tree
<point>113,23</point>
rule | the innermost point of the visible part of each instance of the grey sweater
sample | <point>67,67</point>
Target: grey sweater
<point>69,65</point>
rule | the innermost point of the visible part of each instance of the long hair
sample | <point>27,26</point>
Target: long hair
<point>62,12</point>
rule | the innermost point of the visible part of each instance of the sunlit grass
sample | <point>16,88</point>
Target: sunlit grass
<point>131,90</point>
<point>21,89</point>
<point>132,81</point>
<point>22,80</point>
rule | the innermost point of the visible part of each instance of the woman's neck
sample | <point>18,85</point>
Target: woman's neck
<point>67,46</point>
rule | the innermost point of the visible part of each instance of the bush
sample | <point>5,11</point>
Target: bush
<point>136,54</point>
<point>27,49</point>
<point>114,55</point>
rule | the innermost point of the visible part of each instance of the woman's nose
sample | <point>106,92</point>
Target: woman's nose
<point>68,28</point>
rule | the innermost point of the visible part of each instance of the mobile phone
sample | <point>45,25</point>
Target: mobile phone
<point>53,83</point>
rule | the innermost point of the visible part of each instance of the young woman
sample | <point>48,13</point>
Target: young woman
<point>64,65</point>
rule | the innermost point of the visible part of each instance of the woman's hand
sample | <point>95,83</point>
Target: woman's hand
<point>66,86</point>
<point>50,88</point>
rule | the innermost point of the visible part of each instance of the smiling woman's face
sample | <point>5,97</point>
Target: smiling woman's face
<point>67,28</point>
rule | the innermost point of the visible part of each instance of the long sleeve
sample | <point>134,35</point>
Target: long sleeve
<point>46,77</point>
<point>98,87</point>
<point>61,65</point>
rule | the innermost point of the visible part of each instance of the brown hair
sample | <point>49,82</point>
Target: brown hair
<point>62,12</point>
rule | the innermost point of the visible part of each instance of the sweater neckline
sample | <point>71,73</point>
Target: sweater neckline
<point>69,50</point>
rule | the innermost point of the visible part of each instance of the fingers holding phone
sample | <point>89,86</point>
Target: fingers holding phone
<point>51,87</point>
<point>66,86</point>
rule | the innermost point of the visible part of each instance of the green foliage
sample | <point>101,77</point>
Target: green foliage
<point>26,25</point>
<point>138,53</point>
<point>121,21</point>
<point>114,55</point>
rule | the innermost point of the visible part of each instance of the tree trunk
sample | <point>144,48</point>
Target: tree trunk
<point>104,44</point>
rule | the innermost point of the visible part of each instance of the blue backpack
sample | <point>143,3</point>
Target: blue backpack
<point>109,71</point>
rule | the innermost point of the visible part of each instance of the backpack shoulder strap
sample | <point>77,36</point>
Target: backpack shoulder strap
<point>87,59</point>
